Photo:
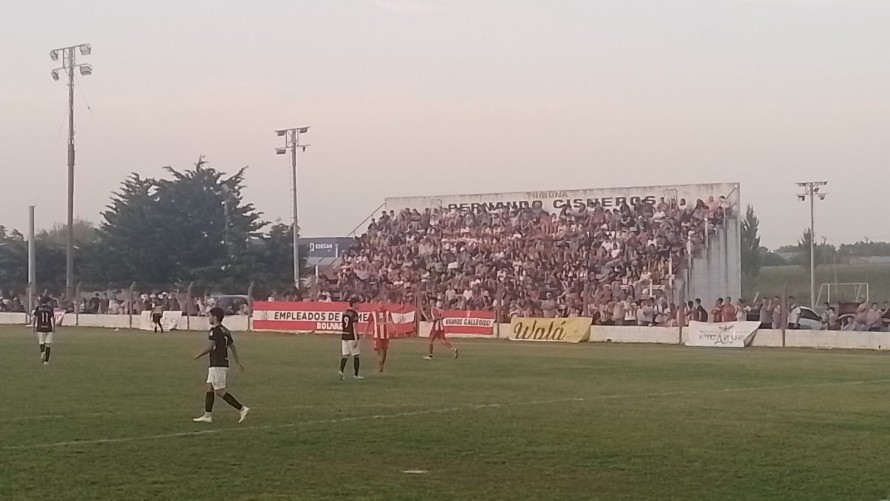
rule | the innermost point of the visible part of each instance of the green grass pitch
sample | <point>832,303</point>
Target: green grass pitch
<point>110,418</point>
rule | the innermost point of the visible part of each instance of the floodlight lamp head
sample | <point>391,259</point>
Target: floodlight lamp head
<point>822,196</point>
<point>55,74</point>
<point>54,55</point>
<point>303,130</point>
<point>85,49</point>
<point>280,151</point>
<point>280,133</point>
<point>86,70</point>
<point>802,198</point>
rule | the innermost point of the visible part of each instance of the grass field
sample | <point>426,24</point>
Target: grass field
<point>111,419</point>
<point>772,279</point>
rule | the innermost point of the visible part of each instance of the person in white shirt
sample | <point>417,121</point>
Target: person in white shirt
<point>793,313</point>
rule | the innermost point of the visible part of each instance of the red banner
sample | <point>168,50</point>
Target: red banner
<point>480,323</point>
<point>326,317</point>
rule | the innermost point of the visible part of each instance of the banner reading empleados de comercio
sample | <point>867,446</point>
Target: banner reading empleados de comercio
<point>550,330</point>
<point>721,335</point>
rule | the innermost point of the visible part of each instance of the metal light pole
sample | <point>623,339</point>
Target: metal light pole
<point>69,63</point>
<point>32,262</point>
<point>292,143</point>
<point>811,191</point>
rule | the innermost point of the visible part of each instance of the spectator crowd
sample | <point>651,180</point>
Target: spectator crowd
<point>615,264</point>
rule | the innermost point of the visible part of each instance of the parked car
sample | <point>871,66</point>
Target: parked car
<point>809,319</point>
<point>231,304</point>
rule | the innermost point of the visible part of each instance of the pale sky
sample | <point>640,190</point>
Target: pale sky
<point>426,97</point>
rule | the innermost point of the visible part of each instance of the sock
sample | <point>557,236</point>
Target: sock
<point>356,363</point>
<point>208,402</point>
<point>231,401</point>
<point>42,348</point>
<point>342,364</point>
<point>46,354</point>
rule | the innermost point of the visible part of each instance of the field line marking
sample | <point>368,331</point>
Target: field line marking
<point>47,417</point>
<point>446,410</point>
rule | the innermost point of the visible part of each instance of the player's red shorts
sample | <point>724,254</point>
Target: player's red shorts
<point>437,334</point>
<point>381,344</point>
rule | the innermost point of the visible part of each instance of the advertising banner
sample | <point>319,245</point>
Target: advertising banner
<point>325,247</point>
<point>59,316</point>
<point>468,322</point>
<point>721,335</point>
<point>325,317</point>
<point>550,330</point>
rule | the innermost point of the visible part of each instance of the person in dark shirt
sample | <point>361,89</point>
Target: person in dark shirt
<point>157,314</point>
<point>349,341</point>
<point>44,323</point>
<point>220,342</point>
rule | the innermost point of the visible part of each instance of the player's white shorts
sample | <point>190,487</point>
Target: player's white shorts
<point>45,337</point>
<point>349,348</point>
<point>216,376</point>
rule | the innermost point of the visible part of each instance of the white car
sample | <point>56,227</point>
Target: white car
<point>809,319</point>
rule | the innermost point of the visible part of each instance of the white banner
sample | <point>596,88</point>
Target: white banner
<point>721,335</point>
<point>59,316</point>
<point>170,320</point>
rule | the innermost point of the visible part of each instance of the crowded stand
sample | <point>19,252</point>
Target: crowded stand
<point>615,264</point>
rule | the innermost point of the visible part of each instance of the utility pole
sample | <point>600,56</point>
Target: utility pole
<point>811,191</point>
<point>69,64</point>
<point>32,270</point>
<point>292,143</point>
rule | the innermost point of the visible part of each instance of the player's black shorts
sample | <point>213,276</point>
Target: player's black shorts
<point>156,317</point>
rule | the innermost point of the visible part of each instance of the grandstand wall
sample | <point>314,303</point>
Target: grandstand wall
<point>717,270</point>
<point>556,200</point>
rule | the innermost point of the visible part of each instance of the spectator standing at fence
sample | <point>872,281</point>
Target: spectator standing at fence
<point>717,311</point>
<point>860,319</point>
<point>765,315</point>
<point>548,306</point>
<point>741,311</point>
<point>873,318</point>
<point>885,314</point>
<point>829,318</point>
<point>793,313</point>
<point>701,314</point>
<point>728,311</point>
<point>94,304</point>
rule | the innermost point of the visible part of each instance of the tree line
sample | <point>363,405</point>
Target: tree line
<point>193,226</point>
<point>754,256</point>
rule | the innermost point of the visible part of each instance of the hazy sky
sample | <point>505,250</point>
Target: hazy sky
<point>414,97</point>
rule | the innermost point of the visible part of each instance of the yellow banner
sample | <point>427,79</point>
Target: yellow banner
<point>551,330</point>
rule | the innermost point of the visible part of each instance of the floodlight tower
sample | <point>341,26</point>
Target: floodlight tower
<point>69,64</point>
<point>811,191</point>
<point>292,143</point>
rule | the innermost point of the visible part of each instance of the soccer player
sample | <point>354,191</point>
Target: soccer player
<point>378,324</point>
<point>157,314</point>
<point>349,340</point>
<point>218,348</point>
<point>438,332</point>
<point>44,322</point>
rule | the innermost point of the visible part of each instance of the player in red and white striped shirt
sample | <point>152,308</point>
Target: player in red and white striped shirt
<point>379,324</point>
<point>438,332</point>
